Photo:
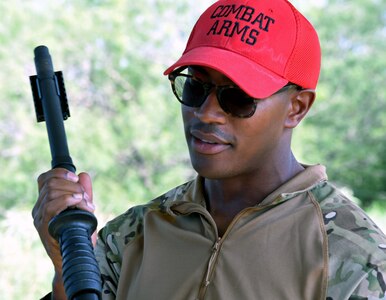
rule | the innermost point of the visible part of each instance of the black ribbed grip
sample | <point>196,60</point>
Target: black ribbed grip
<point>81,277</point>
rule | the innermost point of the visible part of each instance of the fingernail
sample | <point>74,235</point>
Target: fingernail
<point>86,196</point>
<point>91,205</point>
<point>77,196</point>
<point>72,177</point>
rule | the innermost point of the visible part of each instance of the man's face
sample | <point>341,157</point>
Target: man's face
<point>222,146</point>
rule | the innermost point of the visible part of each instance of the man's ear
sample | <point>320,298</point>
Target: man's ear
<point>301,102</point>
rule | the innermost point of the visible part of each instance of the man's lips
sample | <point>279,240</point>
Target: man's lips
<point>208,142</point>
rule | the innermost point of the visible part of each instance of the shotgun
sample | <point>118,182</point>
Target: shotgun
<point>73,227</point>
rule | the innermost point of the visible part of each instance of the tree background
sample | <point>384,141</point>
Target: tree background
<point>125,128</point>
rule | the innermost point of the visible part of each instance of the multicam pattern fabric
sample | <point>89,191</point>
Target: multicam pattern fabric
<point>357,248</point>
<point>355,262</point>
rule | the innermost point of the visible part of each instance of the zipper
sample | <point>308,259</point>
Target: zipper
<point>217,247</point>
<point>212,260</point>
<point>210,268</point>
<point>215,251</point>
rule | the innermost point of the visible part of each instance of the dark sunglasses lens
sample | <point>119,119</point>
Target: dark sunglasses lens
<point>189,91</point>
<point>237,103</point>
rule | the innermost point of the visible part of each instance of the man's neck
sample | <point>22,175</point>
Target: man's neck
<point>227,197</point>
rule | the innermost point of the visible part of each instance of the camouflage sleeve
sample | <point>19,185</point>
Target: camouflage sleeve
<point>112,240</point>
<point>109,273</point>
<point>373,286</point>
<point>357,250</point>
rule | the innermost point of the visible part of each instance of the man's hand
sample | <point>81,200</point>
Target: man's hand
<point>60,189</point>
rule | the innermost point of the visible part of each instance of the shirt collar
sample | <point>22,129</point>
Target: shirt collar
<point>193,191</point>
<point>303,181</point>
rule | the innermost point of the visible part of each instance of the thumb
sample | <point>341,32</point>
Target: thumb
<point>85,181</point>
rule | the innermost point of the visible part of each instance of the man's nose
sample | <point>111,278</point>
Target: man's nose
<point>210,111</point>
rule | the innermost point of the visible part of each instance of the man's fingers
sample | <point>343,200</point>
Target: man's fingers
<point>57,173</point>
<point>56,205</point>
<point>55,180</point>
<point>63,199</point>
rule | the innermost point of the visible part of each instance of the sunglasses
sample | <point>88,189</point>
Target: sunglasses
<point>191,91</point>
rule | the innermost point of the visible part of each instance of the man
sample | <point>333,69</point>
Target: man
<point>255,223</point>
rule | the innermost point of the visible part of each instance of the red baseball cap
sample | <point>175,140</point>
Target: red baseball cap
<point>260,45</point>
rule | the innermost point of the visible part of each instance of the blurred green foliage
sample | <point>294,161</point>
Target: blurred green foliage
<point>125,127</point>
<point>346,129</point>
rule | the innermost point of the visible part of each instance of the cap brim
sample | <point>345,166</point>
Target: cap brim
<point>254,79</point>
